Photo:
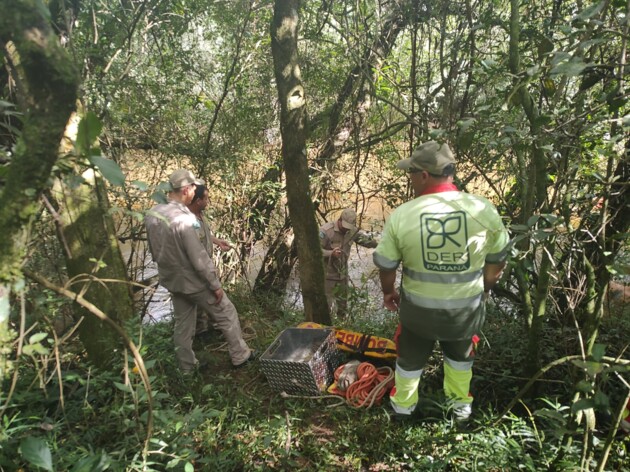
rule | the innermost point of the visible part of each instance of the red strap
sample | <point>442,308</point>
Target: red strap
<point>439,188</point>
<point>397,335</point>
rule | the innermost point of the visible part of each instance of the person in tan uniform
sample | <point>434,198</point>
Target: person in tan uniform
<point>208,240</point>
<point>336,238</point>
<point>187,271</point>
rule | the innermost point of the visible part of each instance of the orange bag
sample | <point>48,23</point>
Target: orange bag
<point>358,343</point>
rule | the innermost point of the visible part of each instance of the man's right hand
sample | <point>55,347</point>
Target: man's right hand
<point>219,294</point>
<point>391,300</point>
<point>336,252</point>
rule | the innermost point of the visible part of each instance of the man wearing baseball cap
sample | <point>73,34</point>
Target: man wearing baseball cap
<point>453,248</point>
<point>336,238</point>
<point>186,269</point>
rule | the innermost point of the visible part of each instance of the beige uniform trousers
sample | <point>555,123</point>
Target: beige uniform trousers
<point>223,314</point>
<point>337,295</point>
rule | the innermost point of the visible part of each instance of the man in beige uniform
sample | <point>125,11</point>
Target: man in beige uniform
<point>197,207</point>
<point>187,271</point>
<point>336,238</point>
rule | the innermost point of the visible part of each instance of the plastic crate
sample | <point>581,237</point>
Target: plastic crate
<point>301,361</point>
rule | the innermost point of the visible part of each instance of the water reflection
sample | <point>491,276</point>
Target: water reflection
<point>365,290</point>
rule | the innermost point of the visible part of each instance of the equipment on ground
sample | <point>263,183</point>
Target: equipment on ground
<point>359,343</point>
<point>361,384</point>
<point>301,361</point>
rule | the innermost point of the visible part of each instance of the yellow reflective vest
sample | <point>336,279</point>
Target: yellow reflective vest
<point>443,241</point>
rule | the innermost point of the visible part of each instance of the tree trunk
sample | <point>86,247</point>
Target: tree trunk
<point>278,263</point>
<point>47,84</point>
<point>358,84</point>
<point>293,130</point>
<point>534,199</point>
<point>87,231</point>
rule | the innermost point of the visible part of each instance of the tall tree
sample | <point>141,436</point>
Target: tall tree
<point>339,121</point>
<point>93,261</point>
<point>47,92</point>
<point>293,117</point>
<point>85,225</point>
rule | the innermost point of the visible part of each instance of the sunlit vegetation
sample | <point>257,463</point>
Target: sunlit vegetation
<point>532,97</point>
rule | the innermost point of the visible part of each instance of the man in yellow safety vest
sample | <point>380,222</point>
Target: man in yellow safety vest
<point>453,248</point>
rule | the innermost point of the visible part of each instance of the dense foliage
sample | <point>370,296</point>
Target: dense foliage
<point>533,96</point>
<point>89,419</point>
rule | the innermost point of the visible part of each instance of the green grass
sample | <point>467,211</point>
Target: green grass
<point>226,420</point>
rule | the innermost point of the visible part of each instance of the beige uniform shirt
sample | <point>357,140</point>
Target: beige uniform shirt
<point>184,264</point>
<point>205,234</point>
<point>331,238</point>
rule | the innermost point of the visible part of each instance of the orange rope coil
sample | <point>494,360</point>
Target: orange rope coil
<point>370,386</point>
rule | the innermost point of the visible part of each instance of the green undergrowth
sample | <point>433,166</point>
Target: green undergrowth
<point>73,417</point>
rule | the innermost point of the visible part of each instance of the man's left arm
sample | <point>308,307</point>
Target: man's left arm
<point>496,259</point>
<point>491,274</point>
<point>391,297</point>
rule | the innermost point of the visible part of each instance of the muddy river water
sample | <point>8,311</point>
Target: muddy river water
<point>366,296</point>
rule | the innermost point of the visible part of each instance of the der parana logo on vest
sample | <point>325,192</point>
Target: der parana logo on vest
<point>444,241</point>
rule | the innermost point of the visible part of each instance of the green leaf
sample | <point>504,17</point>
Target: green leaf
<point>189,467</point>
<point>601,400</point>
<point>37,337</point>
<point>584,386</point>
<point>142,186</point>
<point>39,349</point>
<point>92,463</point>
<point>163,187</point>
<point>173,463</point>
<point>159,197</point>
<point>591,367</point>
<point>571,68</point>
<point>123,387</point>
<point>37,452</point>
<point>583,404</point>
<point>465,123</point>
<point>43,10</point>
<point>616,102</point>
<point>551,414</point>
<point>590,11</point>
<point>598,352</point>
<point>532,220</point>
<point>215,413</point>
<point>532,71</point>
<point>543,120</point>
<point>436,133</point>
<point>545,46</point>
<point>465,141</point>
<point>90,128</point>
<point>109,169</point>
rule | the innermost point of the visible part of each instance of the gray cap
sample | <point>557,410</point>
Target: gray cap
<point>182,177</point>
<point>430,156</point>
<point>349,219</point>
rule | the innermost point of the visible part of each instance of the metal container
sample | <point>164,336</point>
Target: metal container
<point>301,361</point>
